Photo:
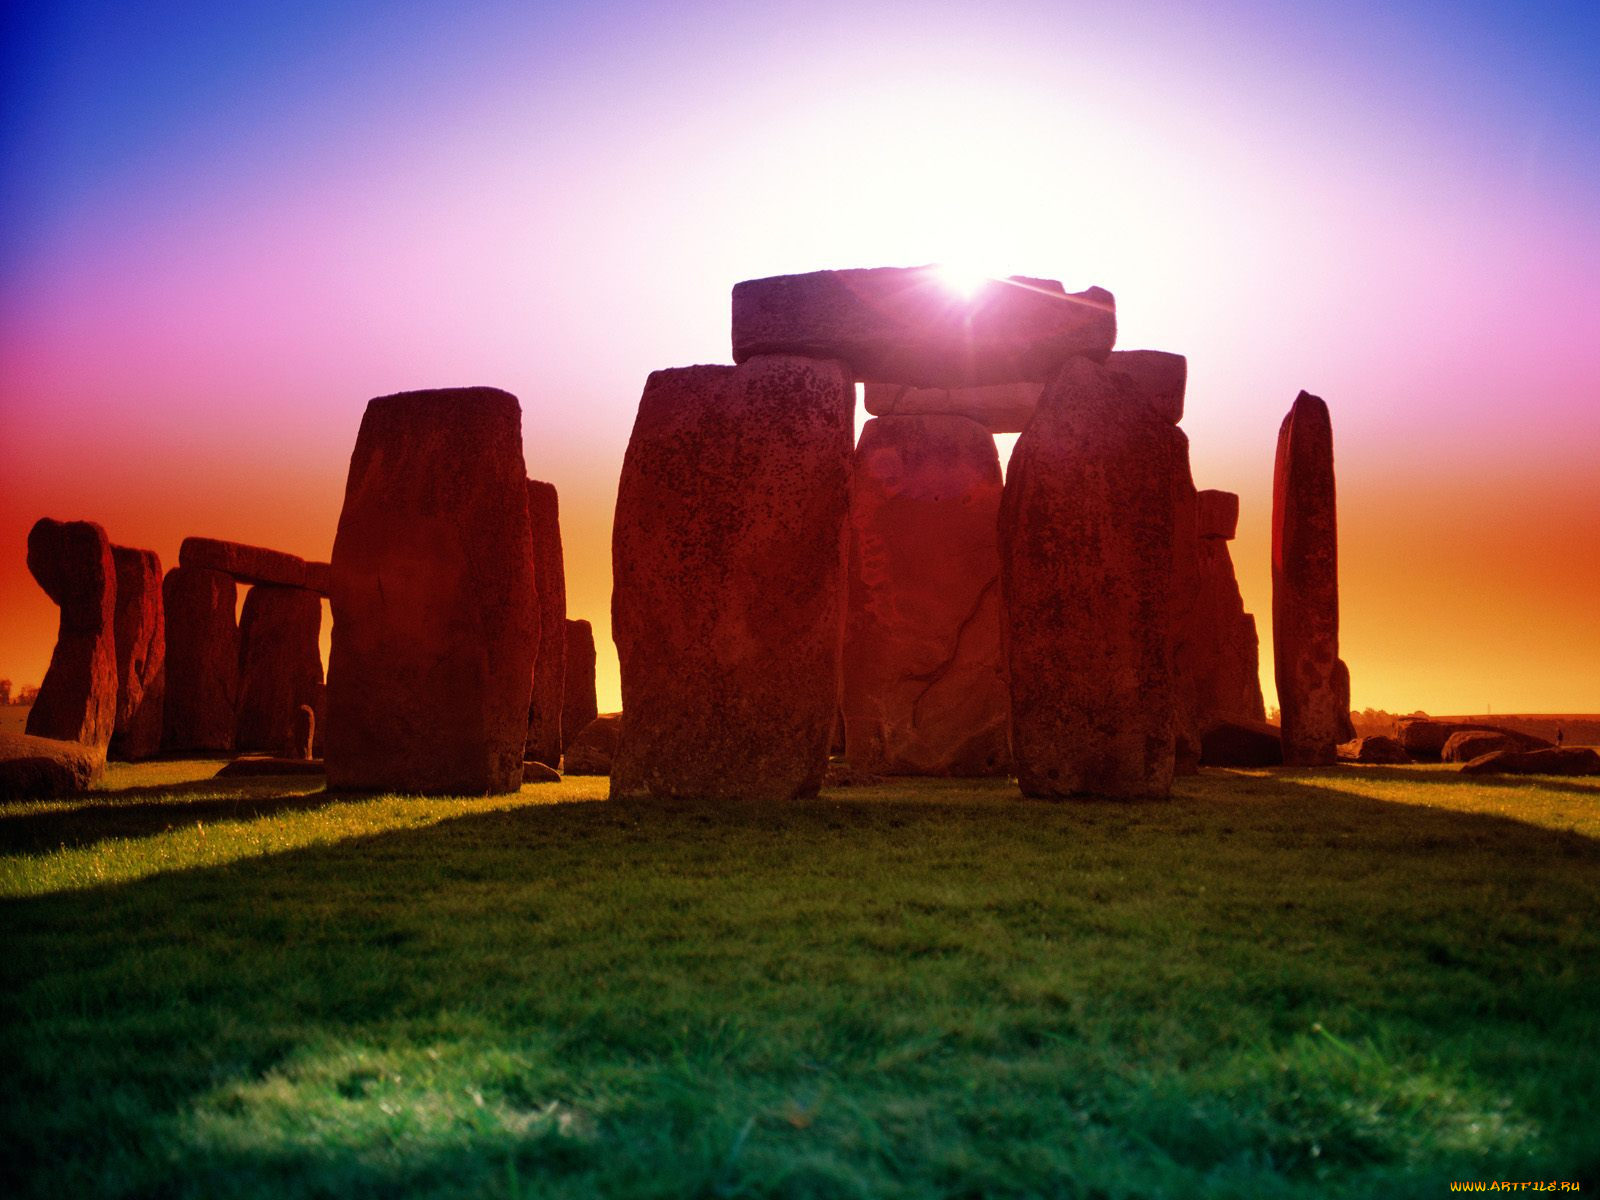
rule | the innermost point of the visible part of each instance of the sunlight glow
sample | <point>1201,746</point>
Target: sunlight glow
<point>963,278</point>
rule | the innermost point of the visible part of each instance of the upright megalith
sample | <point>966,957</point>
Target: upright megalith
<point>202,635</point>
<point>579,705</point>
<point>924,686</point>
<point>1228,667</point>
<point>550,670</point>
<point>141,639</point>
<point>1313,684</point>
<point>435,613</point>
<point>728,579</point>
<point>908,325</point>
<point>280,665</point>
<point>1086,553</point>
<point>1185,617</point>
<point>77,701</point>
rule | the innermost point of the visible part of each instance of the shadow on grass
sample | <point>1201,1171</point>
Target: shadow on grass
<point>1448,775</point>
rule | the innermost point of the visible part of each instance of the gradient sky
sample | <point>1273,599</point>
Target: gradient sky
<point>222,232</point>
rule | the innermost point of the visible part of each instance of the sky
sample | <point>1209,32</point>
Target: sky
<point>222,231</point>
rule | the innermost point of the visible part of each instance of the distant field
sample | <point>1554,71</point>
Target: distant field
<point>1360,982</point>
<point>14,717</point>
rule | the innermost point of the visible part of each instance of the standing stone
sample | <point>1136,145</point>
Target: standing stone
<point>435,624</point>
<point>1224,655</point>
<point>1185,613</point>
<point>77,702</point>
<point>280,665</point>
<point>1313,684</point>
<point>1086,553</point>
<point>141,638</point>
<point>550,671</point>
<point>202,637</point>
<point>924,688</point>
<point>578,703</point>
<point>728,567</point>
<point>303,732</point>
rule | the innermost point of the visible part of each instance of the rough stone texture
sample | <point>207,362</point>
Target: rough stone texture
<point>1219,514</point>
<point>728,579</point>
<point>999,408</point>
<point>1225,653</point>
<point>1379,749</point>
<point>280,665</point>
<point>77,701</point>
<point>266,764</point>
<point>594,748</point>
<point>319,578</point>
<point>435,618</point>
<point>303,732</point>
<point>550,670</point>
<point>35,768</point>
<point>1086,551</point>
<point>1189,633</point>
<point>1313,684</point>
<point>924,686</point>
<point>1470,744</point>
<point>1241,744</point>
<point>1568,761</point>
<point>141,641</point>
<point>578,705</point>
<point>247,564</point>
<point>1159,379</point>
<point>908,325</point>
<point>319,729</point>
<point>1425,740</point>
<point>202,637</point>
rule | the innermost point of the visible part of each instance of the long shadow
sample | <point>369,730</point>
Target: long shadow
<point>1454,778</point>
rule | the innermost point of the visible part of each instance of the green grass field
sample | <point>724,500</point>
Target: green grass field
<point>1360,982</point>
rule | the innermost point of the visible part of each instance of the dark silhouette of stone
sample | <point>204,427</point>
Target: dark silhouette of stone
<point>1467,745</point>
<point>728,579</point>
<point>1571,760</point>
<point>202,636</point>
<point>594,749</point>
<point>319,578</point>
<point>1219,515</point>
<point>247,564</point>
<point>251,765</point>
<point>303,732</point>
<point>435,617</point>
<point>924,687</point>
<point>1226,652</point>
<point>77,702</point>
<point>280,665</point>
<point>1425,740</point>
<point>1190,635</point>
<point>1380,749</point>
<point>534,771</point>
<point>141,642</point>
<point>999,407</point>
<point>1241,744</point>
<point>1313,684</point>
<point>36,768</point>
<point>1159,378</point>
<point>319,728</point>
<point>550,671</point>
<point>578,704</point>
<point>1086,550</point>
<point>907,325</point>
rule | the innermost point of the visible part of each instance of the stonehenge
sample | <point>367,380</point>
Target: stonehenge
<point>141,644</point>
<point>77,701</point>
<point>550,667</point>
<point>254,564</point>
<point>280,666</point>
<point>578,703</point>
<point>202,644</point>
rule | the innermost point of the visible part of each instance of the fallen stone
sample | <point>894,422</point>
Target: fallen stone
<point>77,701</point>
<point>550,668</point>
<point>435,617</point>
<point>1241,744</point>
<point>1466,745</point>
<point>247,564</point>
<point>1086,551</point>
<point>578,704</point>
<point>36,768</point>
<point>1426,739</point>
<point>267,764</point>
<point>280,665</point>
<point>534,771</point>
<point>593,749</point>
<point>141,642</point>
<point>1159,379</point>
<point>1379,749</point>
<point>1570,760</point>
<point>1219,514</point>
<point>304,731</point>
<point>907,325</point>
<point>999,408</point>
<point>924,686</point>
<point>202,636</point>
<point>727,601</point>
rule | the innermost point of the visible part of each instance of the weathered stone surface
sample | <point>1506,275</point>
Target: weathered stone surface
<point>1379,749</point>
<point>247,564</point>
<point>35,768</point>
<point>550,670</point>
<point>728,579</point>
<point>534,771</point>
<point>1305,589</point>
<point>1225,654</point>
<point>594,748</point>
<point>1188,629</point>
<point>141,642</point>
<point>999,408</point>
<point>924,686</point>
<point>1568,761</point>
<point>1424,739</point>
<point>319,728</point>
<point>1086,551</point>
<point>202,636</point>
<point>1159,379</point>
<point>1241,744</point>
<point>1470,744</point>
<point>435,617</point>
<point>1219,514</point>
<point>908,325</point>
<point>319,578</point>
<point>303,731</point>
<point>266,764</point>
<point>77,701</point>
<point>280,665</point>
<point>578,704</point>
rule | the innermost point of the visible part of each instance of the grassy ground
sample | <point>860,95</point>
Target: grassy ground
<point>1359,982</point>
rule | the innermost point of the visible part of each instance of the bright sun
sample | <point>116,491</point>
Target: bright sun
<point>963,278</point>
